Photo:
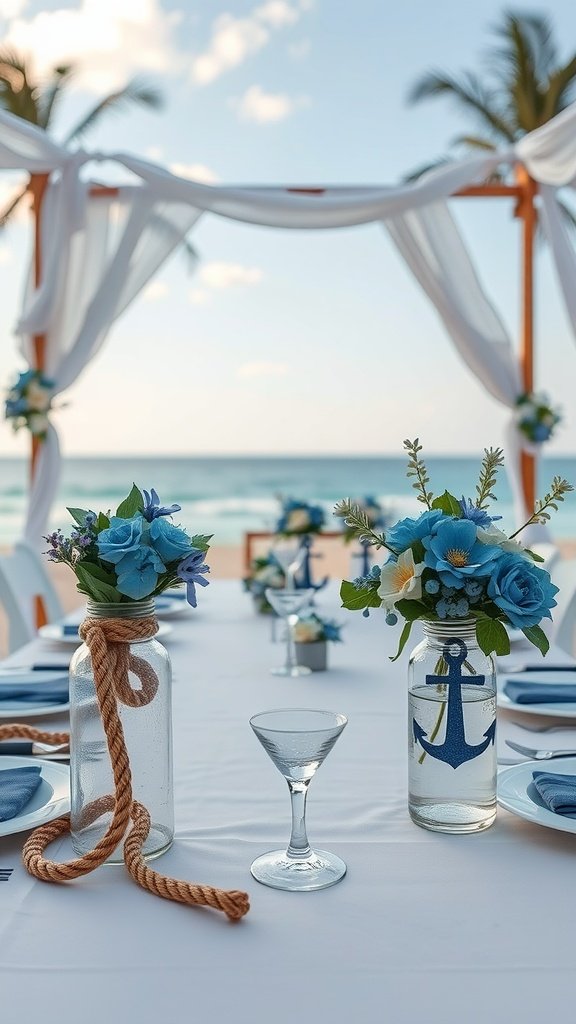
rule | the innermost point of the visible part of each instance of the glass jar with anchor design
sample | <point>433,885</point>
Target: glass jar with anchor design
<point>451,730</point>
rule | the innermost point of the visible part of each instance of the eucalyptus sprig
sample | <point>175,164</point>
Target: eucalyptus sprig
<point>417,468</point>
<point>559,488</point>
<point>493,458</point>
<point>357,520</point>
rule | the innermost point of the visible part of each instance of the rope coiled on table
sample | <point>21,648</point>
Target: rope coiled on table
<point>108,641</point>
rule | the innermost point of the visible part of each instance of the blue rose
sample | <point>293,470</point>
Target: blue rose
<point>170,542</point>
<point>406,531</point>
<point>138,573</point>
<point>122,537</point>
<point>522,590</point>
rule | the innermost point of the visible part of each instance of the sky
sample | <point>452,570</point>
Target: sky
<point>292,341</point>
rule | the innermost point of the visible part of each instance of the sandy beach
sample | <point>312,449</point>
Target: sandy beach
<point>227,562</point>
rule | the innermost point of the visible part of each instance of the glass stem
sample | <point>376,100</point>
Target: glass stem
<point>298,847</point>
<point>290,648</point>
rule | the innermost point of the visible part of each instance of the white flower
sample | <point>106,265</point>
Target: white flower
<point>492,535</point>
<point>298,520</point>
<point>400,579</point>
<point>38,423</point>
<point>306,632</point>
<point>37,397</point>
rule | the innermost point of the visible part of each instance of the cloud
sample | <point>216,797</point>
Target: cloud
<point>218,276</point>
<point>196,172</point>
<point>11,8</point>
<point>155,292</point>
<point>235,39</point>
<point>266,107</point>
<point>263,369</point>
<point>108,40</point>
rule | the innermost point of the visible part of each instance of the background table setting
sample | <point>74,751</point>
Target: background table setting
<point>457,915</point>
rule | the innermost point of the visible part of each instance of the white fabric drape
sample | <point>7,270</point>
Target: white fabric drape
<point>98,252</point>
<point>113,247</point>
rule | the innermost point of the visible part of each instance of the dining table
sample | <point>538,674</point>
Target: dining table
<point>425,926</point>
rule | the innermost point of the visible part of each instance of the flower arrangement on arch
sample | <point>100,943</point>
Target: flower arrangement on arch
<point>134,554</point>
<point>29,401</point>
<point>536,418</point>
<point>264,572</point>
<point>312,628</point>
<point>299,518</point>
<point>453,562</point>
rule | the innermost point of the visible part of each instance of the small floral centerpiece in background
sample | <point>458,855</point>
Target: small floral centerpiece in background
<point>311,628</point>
<point>536,418</point>
<point>298,518</point>
<point>135,554</point>
<point>264,572</point>
<point>29,401</point>
<point>453,562</point>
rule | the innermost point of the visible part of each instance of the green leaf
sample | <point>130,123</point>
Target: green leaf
<point>78,515</point>
<point>98,572</point>
<point>418,551</point>
<point>201,541</point>
<point>93,587</point>
<point>403,640</point>
<point>534,556</point>
<point>102,523</point>
<point>354,600</point>
<point>131,505</point>
<point>537,636</point>
<point>492,636</point>
<point>411,610</point>
<point>448,503</point>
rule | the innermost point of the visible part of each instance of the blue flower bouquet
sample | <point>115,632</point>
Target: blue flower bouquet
<point>453,563</point>
<point>299,518</point>
<point>132,555</point>
<point>535,418</point>
<point>264,572</point>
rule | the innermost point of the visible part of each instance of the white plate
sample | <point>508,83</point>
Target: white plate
<point>51,799</point>
<point>16,709</point>
<point>516,792</point>
<point>553,710</point>
<point>53,631</point>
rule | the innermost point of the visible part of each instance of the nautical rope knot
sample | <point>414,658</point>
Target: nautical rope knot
<point>108,641</point>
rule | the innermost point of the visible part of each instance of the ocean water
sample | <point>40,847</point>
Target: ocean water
<point>227,496</point>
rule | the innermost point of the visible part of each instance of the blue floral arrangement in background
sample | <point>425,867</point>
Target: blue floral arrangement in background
<point>453,562</point>
<point>312,628</point>
<point>298,518</point>
<point>134,554</point>
<point>29,401</point>
<point>264,572</point>
<point>536,418</point>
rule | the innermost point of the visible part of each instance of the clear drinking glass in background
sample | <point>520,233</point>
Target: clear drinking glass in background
<point>298,740</point>
<point>287,604</point>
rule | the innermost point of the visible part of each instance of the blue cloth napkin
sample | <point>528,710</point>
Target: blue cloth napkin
<point>540,693</point>
<point>17,786</point>
<point>35,688</point>
<point>557,791</point>
<point>70,629</point>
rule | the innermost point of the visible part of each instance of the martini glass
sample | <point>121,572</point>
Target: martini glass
<point>298,740</point>
<point>287,603</point>
<point>290,554</point>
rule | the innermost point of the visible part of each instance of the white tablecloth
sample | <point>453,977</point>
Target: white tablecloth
<point>424,926</point>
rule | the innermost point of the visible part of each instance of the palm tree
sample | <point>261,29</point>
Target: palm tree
<point>524,86</point>
<point>34,101</point>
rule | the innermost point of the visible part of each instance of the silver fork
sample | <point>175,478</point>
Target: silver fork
<point>539,755</point>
